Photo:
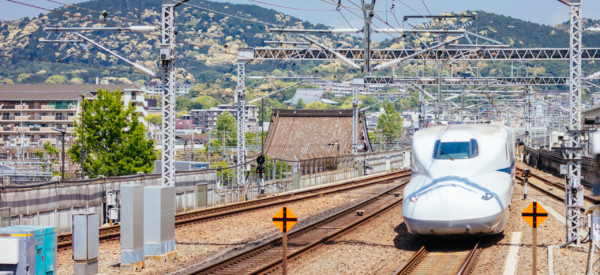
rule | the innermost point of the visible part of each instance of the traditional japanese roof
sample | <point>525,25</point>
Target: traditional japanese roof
<point>305,134</point>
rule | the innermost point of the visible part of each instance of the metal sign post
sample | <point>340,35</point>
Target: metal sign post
<point>526,176</point>
<point>534,215</point>
<point>284,219</point>
<point>593,214</point>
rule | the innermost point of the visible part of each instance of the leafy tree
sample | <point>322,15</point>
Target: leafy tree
<point>56,79</point>
<point>390,123</point>
<point>226,124</point>
<point>317,106</point>
<point>114,139</point>
<point>50,153</point>
<point>300,104</point>
<point>204,102</point>
<point>182,103</point>
<point>155,119</point>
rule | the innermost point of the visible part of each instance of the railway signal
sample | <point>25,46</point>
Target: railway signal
<point>260,170</point>
<point>534,215</point>
<point>284,219</point>
<point>526,175</point>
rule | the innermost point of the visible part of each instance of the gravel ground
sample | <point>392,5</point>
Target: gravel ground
<point>550,233</point>
<point>383,245</point>
<point>377,247</point>
<point>209,241</point>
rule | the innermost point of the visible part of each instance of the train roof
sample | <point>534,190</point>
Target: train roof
<point>462,131</point>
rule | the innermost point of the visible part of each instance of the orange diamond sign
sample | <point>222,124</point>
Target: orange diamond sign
<point>284,219</point>
<point>534,214</point>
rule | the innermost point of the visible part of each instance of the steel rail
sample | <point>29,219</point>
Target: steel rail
<point>418,258</point>
<point>112,232</point>
<point>307,237</point>
<point>551,183</point>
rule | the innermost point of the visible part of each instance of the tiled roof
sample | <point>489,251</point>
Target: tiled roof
<point>304,134</point>
<point>307,96</point>
<point>53,91</point>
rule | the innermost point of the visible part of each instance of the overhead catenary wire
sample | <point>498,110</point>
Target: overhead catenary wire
<point>227,14</point>
<point>93,11</point>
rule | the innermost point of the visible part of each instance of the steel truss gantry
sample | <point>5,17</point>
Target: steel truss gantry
<point>240,97</point>
<point>482,54</point>
<point>167,58</point>
<point>574,194</point>
<point>453,81</point>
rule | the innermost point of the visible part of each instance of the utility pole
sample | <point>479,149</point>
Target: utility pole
<point>528,117</point>
<point>367,9</point>
<point>167,74</point>
<point>355,119</point>
<point>439,95</point>
<point>574,194</point>
<point>241,120</point>
<point>83,151</point>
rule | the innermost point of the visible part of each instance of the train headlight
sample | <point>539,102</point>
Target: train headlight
<point>487,196</point>
<point>413,199</point>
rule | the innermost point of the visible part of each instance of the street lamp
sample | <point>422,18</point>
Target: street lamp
<point>63,132</point>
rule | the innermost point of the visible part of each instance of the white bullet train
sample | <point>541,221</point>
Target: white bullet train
<point>463,177</point>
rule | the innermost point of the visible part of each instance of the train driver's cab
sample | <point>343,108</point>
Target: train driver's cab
<point>456,149</point>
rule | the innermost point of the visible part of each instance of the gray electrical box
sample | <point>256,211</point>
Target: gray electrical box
<point>112,206</point>
<point>85,243</point>
<point>132,224</point>
<point>4,217</point>
<point>159,220</point>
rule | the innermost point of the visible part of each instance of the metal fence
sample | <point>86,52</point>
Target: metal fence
<point>53,203</point>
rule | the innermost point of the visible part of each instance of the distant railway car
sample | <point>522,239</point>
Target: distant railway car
<point>462,181</point>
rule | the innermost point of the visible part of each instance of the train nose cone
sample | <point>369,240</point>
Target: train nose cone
<point>450,210</point>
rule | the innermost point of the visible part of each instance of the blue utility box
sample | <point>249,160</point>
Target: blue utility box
<point>28,250</point>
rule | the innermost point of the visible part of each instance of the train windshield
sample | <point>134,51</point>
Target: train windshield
<point>455,150</point>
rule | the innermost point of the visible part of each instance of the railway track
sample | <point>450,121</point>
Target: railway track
<point>266,258</point>
<point>113,232</point>
<point>442,260</point>
<point>551,191</point>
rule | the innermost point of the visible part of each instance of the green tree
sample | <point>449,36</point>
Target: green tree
<point>155,119</point>
<point>204,102</point>
<point>300,104</point>
<point>182,103</point>
<point>114,139</point>
<point>56,79</point>
<point>50,153</point>
<point>226,125</point>
<point>390,123</point>
<point>317,106</point>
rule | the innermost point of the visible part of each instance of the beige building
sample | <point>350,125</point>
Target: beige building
<point>29,112</point>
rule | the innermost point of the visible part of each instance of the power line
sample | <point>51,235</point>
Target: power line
<point>287,7</point>
<point>423,1</point>
<point>93,11</point>
<point>227,14</point>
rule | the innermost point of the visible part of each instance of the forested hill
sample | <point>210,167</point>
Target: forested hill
<point>207,40</point>
<point>209,35</point>
<point>522,34</point>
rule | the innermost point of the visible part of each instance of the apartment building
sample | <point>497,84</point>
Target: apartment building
<point>206,119</point>
<point>156,87</point>
<point>29,112</point>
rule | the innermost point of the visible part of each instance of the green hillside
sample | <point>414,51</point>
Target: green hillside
<point>207,43</point>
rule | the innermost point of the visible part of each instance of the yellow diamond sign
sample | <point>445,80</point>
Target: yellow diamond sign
<point>284,219</point>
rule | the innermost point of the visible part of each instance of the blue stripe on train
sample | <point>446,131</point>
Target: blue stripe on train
<point>507,170</point>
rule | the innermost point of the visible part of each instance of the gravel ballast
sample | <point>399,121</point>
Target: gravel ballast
<point>209,241</point>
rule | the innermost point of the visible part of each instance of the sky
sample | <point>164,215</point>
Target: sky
<point>549,12</point>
